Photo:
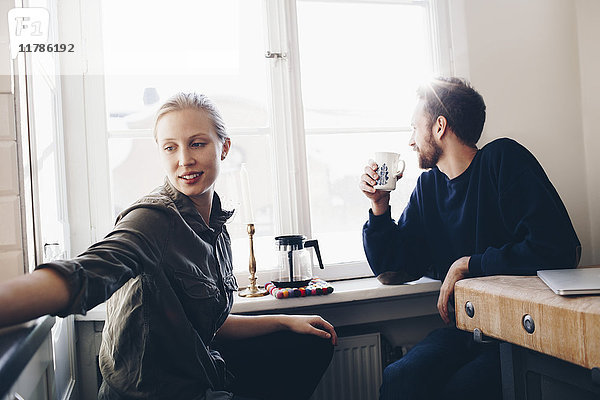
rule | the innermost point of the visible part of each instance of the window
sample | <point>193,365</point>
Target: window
<point>358,91</point>
<point>340,86</point>
<point>38,90</point>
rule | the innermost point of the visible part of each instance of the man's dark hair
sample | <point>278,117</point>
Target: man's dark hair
<point>461,105</point>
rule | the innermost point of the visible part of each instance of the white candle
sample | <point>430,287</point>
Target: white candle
<point>248,214</point>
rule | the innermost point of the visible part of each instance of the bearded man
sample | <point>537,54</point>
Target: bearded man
<point>474,212</point>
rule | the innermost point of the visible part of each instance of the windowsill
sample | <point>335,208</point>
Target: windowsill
<point>348,291</point>
<point>18,345</point>
<point>345,292</point>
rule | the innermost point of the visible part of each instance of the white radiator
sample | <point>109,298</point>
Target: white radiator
<point>354,372</point>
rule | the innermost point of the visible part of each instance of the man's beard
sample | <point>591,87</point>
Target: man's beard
<point>429,157</point>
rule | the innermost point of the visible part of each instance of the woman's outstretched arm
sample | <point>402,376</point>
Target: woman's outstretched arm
<point>29,296</point>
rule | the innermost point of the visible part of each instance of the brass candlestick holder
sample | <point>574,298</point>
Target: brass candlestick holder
<point>252,290</point>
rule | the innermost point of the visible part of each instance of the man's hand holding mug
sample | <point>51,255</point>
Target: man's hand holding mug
<point>379,179</point>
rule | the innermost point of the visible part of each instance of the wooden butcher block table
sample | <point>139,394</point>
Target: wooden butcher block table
<point>523,311</point>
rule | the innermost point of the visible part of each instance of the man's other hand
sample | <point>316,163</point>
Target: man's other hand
<point>458,270</point>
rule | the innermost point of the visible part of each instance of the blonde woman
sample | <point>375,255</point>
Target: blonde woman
<point>166,272</point>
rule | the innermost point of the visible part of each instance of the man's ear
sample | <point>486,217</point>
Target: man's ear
<point>439,126</point>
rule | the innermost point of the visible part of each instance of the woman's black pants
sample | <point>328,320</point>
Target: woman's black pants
<point>275,366</point>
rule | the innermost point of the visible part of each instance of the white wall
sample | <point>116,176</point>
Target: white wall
<point>11,242</point>
<point>524,57</point>
<point>588,30</point>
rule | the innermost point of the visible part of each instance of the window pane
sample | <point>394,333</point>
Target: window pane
<point>338,207</point>
<point>212,47</point>
<point>153,49</point>
<point>46,164</point>
<point>256,152</point>
<point>128,157</point>
<point>358,81</point>
<point>360,62</point>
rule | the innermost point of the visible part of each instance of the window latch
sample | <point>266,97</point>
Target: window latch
<point>282,56</point>
<point>52,251</point>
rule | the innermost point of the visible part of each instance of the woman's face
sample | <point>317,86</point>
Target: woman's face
<point>191,152</point>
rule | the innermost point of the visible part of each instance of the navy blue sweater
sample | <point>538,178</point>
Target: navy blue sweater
<point>502,211</point>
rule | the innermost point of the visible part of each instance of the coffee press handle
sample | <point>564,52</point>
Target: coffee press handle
<point>315,244</point>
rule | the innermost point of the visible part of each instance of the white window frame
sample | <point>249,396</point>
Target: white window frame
<point>63,332</point>
<point>83,102</point>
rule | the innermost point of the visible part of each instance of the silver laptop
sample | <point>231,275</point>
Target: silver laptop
<point>572,281</point>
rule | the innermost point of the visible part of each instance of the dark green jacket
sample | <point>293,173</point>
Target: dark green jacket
<point>168,277</point>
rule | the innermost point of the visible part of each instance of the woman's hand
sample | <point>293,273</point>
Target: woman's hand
<point>244,326</point>
<point>310,324</point>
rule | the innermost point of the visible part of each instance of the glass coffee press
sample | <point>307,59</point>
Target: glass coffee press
<point>294,261</point>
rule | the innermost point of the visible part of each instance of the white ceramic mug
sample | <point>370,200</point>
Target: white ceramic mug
<point>388,169</point>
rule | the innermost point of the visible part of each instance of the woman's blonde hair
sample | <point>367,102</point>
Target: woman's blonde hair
<point>193,101</point>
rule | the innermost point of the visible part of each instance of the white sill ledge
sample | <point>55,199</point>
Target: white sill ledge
<point>344,292</point>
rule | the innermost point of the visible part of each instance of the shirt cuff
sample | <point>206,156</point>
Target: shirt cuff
<point>475,265</point>
<point>72,275</point>
<point>379,220</point>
